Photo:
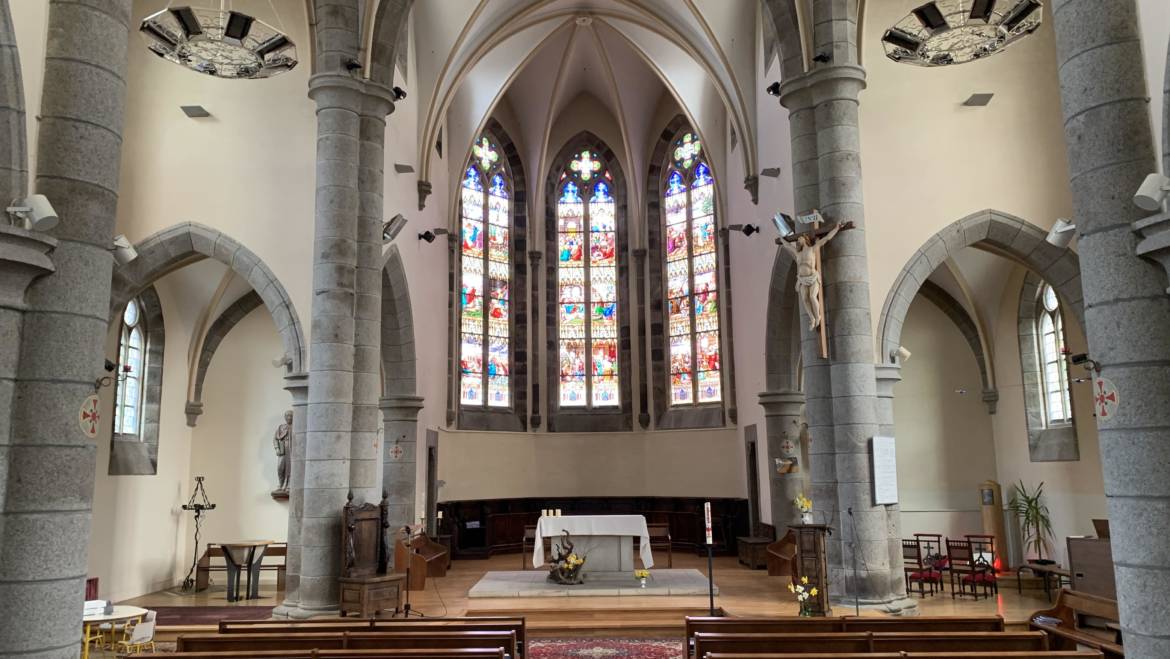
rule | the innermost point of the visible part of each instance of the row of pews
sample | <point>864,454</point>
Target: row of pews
<point>851,637</point>
<point>352,638</point>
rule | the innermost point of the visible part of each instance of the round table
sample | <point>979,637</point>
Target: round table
<point>91,630</point>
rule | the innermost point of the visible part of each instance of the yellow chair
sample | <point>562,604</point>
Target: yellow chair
<point>138,636</point>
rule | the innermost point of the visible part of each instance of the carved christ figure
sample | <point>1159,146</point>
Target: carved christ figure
<point>280,442</point>
<point>805,250</point>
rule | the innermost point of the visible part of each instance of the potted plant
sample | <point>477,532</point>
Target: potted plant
<point>1034,519</point>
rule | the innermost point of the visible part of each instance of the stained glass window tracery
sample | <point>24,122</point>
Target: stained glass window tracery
<point>587,286</point>
<point>485,357</point>
<point>1053,362</point>
<point>692,282</point>
<point>131,371</point>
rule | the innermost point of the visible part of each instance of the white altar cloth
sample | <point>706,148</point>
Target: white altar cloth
<point>593,525</point>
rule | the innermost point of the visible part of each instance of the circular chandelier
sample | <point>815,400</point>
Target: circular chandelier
<point>947,32</point>
<point>224,44</point>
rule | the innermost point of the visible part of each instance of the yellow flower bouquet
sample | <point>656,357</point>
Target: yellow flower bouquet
<point>803,593</point>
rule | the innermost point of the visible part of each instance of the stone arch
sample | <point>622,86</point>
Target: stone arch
<point>186,243</point>
<point>967,326</point>
<point>398,351</point>
<point>389,39</point>
<point>782,24</point>
<point>782,334</point>
<point>994,231</point>
<point>211,341</point>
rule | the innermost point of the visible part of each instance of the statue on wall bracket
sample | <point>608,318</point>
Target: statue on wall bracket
<point>281,441</point>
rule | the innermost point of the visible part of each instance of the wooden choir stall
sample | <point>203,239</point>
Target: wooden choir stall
<point>367,586</point>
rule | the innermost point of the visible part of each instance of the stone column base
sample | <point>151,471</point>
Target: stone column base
<point>897,606</point>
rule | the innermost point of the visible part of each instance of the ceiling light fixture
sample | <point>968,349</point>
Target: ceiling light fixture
<point>224,44</point>
<point>944,32</point>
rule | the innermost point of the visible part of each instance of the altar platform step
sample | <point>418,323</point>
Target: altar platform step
<point>598,622</point>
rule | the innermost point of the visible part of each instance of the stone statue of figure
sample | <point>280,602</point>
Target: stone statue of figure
<point>804,251</point>
<point>280,441</point>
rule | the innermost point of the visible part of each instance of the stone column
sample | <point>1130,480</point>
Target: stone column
<point>297,385</point>
<point>643,349</point>
<point>1110,150</point>
<point>364,459</point>
<point>535,277</point>
<point>400,456</point>
<point>784,411</point>
<point>49,491</point>
<point>13,144</point>
<point>329,428</point>
<point>888,376</point>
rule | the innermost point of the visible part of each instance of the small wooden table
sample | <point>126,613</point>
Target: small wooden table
<point>1045,571</point>
<point>91,624</point>
<point>753,551</point>
<point>244,554</point>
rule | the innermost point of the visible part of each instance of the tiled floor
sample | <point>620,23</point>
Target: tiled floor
<point>535,583</point>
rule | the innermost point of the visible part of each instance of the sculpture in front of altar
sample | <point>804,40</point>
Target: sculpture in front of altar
<point>566,565</point>
<point>280,441</point>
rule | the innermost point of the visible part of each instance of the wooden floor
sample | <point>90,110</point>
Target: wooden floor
<point>743,592</point>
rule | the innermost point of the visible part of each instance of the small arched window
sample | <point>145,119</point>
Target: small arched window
<point>485,357</point>
<point>131,371</point>
<point>1050,351</point>
<point>587,286</point>
<point>692,279</point>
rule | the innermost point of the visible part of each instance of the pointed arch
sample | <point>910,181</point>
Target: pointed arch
<point>398,348</point>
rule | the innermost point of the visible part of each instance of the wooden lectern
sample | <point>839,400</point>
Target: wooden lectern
<point>812,561</point>
<point>366,585</point>
<point>424,558</point>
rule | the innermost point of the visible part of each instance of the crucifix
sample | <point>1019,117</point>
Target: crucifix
<point>805,248</point>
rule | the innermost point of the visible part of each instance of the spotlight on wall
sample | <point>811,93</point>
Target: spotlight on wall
<point>1082,359</point>
<point>770,172</point>
<point>745,229</point>
<point>430,234</point>
<point>35,211</point>
<point>901,355</point>
<point>1061,233</point>
<point>392,227</point>
<point>124,251</point>
<point>352,64</point>
<point>1152,192</point>
<point>822,58</point>
<point>961,392</point>
<point>784,224</point>
<point>399,93</point>
<point>773,89</point>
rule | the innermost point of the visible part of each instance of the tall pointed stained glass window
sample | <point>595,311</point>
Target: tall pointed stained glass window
<point>485,251</point>
<point>132,363</point>
<point>587,285</point>
<point>1051,353</point>
<point>692,281</point>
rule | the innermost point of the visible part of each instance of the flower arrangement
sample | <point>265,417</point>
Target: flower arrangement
<point>804,505</point>
<point>567,564</point>
<point>803,594</point>
<point>642,576</point>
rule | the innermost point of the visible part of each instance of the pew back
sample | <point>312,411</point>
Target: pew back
<point>346,640</point>
<point>411,653</point>
<point>869,642</point>
<point>331,625</point>
<point>1049,654</point>
<point>795,624</point>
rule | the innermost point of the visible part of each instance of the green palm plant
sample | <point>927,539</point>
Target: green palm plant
<point>1035,522</point>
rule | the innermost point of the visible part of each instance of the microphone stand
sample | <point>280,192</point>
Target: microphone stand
<point>853,551</point>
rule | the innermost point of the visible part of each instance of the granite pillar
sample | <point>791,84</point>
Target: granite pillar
<point>13,143</point>
<point>400,456</point>
<point>784,412</point>
<point>535,276</point>
<point>297,385</point>
<point>51,461</point>
<point>332,355</point>
<point>888,376</point>
<point>1110,150</point>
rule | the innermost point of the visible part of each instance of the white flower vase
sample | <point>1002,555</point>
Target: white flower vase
<point>643,582</point>
<point>806,518</point>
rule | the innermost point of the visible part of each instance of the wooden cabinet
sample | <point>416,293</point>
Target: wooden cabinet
<point>1090,560</point>
<point>812,561</point>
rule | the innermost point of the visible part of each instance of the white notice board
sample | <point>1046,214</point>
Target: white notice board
<point>885,471</point>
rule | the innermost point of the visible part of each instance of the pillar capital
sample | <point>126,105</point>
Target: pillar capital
<point>332,90</point>
<point>297,384</point>
<point>795,95</point>
<point>887,376</point>
<point>377,100</point>
<point>840,82</point>
<point>534,256</point>
<point>1154,244</point>
<point>424,191</point>
<point>782,403</point>
<point>400,408</point>
<point>24,256</point>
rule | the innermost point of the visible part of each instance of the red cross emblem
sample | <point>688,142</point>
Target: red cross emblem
<point>396,452</point>
<point>787,447</point>
<point>89,416</point>
<point>1105,398</point>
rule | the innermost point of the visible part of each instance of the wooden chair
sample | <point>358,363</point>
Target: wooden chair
<point>527,546</point>
<point>782,556</point>
<point>366,584</point>
<point>982,547</point>
<point>660,539</point>
<point>1074,610</point>
<point>916,571</point>
<point>967,569</point>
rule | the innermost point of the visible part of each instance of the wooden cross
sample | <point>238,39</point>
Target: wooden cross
<point>817,235</point>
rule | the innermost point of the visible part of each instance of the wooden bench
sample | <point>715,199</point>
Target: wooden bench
<point>1027,654</point>
<point>346,640</point>
<point>204,567</point>
<point>869,642</point>
<point>412,653</point>
<point>1071,609</point>
<point>792,625</point>
<point>333,625</point>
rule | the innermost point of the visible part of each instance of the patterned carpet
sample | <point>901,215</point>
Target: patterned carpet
<point>600,648</point>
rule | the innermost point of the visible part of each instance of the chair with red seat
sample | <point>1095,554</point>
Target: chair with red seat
<point>933,554</point>
<point>970,570</point>
<point>917,570</point>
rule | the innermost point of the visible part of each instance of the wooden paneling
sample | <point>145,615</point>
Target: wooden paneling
<point>485,527</point>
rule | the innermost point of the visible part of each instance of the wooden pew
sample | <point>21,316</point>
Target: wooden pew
<point>1071,607</point>
<point>412,653</point>
<point>1027,654</point>
<point>346,640</point>
<point>869,642</point>
<point>333,625</point>
<point>794,624</point>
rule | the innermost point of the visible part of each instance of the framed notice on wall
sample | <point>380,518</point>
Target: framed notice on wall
<point>885,471</point>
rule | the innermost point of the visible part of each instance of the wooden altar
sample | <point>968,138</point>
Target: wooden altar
<point>812,561</point>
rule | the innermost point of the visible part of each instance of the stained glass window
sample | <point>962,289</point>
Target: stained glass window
<point>587,285</point>
<point>131,370</point>
<point>485,277</point>
<point>1052,355</point>
<point>692,281</point>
